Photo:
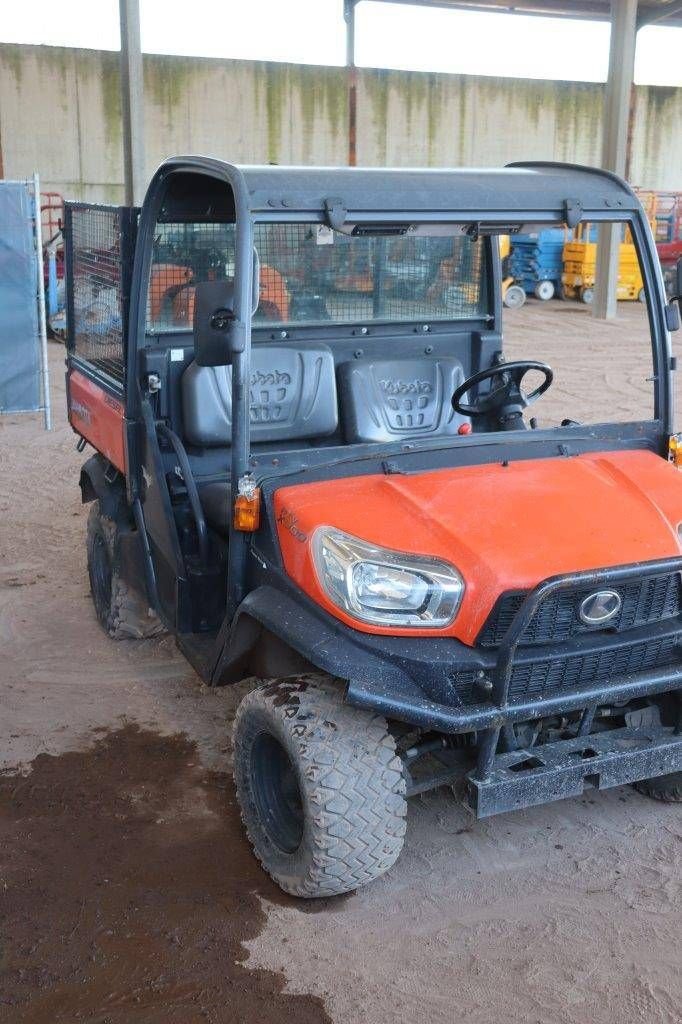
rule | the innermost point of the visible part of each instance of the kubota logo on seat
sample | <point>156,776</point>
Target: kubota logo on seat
<point>601,607</point>
<point>405,387</point>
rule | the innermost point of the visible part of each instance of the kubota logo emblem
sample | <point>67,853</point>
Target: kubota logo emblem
<point>601,607</point>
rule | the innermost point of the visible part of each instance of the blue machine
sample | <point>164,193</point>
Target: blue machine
<point>536,262</point>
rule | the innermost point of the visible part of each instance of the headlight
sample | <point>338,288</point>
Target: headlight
<point>386,588</point>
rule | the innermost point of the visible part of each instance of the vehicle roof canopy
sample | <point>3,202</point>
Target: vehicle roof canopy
<point>515,191</point>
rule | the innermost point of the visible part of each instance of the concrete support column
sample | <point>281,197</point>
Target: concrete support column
<point>132,98</point>
<point>614,144</point>
<point>349,16</point>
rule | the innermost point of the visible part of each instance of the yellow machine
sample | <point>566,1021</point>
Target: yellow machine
<point>513,295</point>
<point>580,261</point>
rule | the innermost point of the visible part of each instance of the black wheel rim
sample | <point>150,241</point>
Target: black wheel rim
<point>277,793</point>
<point>100,577</point>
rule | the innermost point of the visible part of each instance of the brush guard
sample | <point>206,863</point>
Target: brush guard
<point>522,778</point>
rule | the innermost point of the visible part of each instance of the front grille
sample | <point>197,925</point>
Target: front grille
<point>539,679</point>
<point>645,600</point>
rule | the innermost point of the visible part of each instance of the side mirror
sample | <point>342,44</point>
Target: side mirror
<point>678,280</point>
<point>215,339</point>
<point>213,323</point>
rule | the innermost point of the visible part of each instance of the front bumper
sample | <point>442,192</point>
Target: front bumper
<point>553,771</point>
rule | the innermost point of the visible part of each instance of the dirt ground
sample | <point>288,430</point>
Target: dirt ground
<point>128,895</point>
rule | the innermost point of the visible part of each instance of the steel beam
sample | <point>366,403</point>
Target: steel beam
<point>654,16</point>
<point>651,11</point>
<point>615,122</point>
<point>132,99</point>
<point>349,17</point>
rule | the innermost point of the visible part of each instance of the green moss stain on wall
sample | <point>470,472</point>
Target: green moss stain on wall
<point>271,78</point>
<point>13,57</point>
<point>413,89</point>
<point>376,90</point>
<point>166,79</point>
<point>658,111</point>
<point>286,113</point>
<point>463,125</point>
<point>420,95</point>
<point>321,95</point>
<point>306,85</point>
<point>531,100</point>
<point>578,113</point>
<point>59,62</point>
<point>336,101</point>
<point>434,116</point>
<point>274,102</point>
<point>110,79</point>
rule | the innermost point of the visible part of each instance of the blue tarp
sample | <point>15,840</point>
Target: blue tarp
<point>19,330</point>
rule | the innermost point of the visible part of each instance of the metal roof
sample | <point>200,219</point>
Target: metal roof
<point>650,11</point>
<point>359,192</point>
<point>520,187</point>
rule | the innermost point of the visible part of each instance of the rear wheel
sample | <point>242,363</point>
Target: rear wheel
<point>514,297</point>
<point>586,295</point>
<point>667,788</point>
<point>320,787</point>
<point>544,290</point>
<point>121,611</point>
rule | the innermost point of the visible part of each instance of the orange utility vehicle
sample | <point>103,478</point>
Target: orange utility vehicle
<point>339,492</point>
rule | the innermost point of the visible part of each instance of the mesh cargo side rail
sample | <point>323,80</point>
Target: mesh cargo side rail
<point>99,255</point>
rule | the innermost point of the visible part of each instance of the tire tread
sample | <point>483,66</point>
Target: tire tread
<point>351,775</point>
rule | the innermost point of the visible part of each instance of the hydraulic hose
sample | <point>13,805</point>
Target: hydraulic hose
<point>192,492</point>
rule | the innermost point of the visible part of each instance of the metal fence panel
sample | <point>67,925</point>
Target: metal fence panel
<point>20,364</point>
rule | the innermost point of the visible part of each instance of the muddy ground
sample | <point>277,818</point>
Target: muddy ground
<point>127,893</point>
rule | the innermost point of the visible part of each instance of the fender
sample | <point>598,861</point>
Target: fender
<point>305,639</point>
<point>100,480</point>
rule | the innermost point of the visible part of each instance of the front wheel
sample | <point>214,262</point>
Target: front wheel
<point>320,787</point>
<point>587,296</point>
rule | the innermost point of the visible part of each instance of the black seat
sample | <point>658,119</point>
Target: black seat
<point>391,399</point>
<point>292,398</point>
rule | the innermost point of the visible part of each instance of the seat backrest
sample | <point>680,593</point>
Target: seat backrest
<point>292,396</point>
<point>388,399</point>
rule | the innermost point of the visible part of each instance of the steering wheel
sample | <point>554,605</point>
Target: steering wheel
<point>506,400</point>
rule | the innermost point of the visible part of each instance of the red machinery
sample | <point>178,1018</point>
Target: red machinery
<point>665,215</point>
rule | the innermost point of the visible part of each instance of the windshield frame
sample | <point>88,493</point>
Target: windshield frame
<point>651,433</point>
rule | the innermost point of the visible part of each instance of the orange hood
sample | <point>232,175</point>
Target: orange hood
<point>503,527</point>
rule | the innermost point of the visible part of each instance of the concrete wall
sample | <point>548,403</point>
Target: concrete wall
<point>60,114</point>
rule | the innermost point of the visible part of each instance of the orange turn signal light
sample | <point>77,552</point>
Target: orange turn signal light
<point>247,506</point>
<point>675,450</point>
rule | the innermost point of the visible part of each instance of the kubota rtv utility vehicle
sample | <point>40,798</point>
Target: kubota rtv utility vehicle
<point>332,486</point>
